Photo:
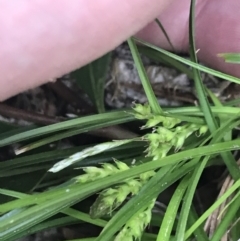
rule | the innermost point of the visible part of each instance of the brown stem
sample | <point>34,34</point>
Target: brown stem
<point>12,112</point>
<point>71,97</point>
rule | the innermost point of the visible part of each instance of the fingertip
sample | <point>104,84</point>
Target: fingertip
<point>56,37</point>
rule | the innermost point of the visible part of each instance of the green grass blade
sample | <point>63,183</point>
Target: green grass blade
<point>70,133</point>
<point>226,220</point>
<point>90,151</point>
<point>199,233</point>
<point>82,122</point>
<point>165,59</point>
<point>190,63</point>
<point>214,99</point>
<point>187,201</point>
<point>202,97</point>
<point>195,111</point>
<point>84,239</point>
<point>232,102</point>
<point>208,212</point>
<point>210,120</point>
<point>169,219</point>
<point>84,217</point>
<point>230,57</point>
<point>153,102</point>
<point>55,223</point>
<point>122,152</point>
<point>70,211</point>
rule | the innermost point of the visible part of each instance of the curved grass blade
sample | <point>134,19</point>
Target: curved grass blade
<point>70,211</point>
<point>210,120</point>
<point>199,233</point>
<point>195,111</point>
<point>187,201</point>
<point>90,151</point>
<point>226,221</point>
<point>190,63</point>
<point>162,58</point>
<point>202,97</point>
<point>81,122</point>
<point>153,102</point>
<point>55,223</point>
<point>170,215</point>
<point>71,132</point>
<point>208,212</point>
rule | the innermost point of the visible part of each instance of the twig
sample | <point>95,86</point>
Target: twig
<point>12,112</point>
<point>71,97</point>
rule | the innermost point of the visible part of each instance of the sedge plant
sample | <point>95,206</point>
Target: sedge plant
<point>127,175</point>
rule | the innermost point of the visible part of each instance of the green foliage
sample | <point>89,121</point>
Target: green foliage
<point>231,57</point>
<point>91,78</point>
<point>127,175</point>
